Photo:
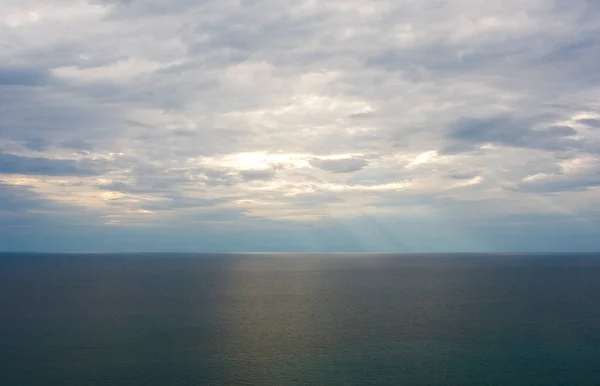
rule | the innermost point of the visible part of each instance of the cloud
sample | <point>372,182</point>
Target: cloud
<point>15,164</point>
<point>342,165</point>
<point>20,199</point>
<point>593,122</point>
<point>160,112</point>
<point>257,175</point>
<point>179,202</point>
<point>37,144</point>
<point>471,133</point>
<point>552,185</point>
<point>22,76</point>
<point>571,174</point>
<point>77,144</point>
<point>464,175</point>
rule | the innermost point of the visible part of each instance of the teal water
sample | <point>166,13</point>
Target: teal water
<point>299,319</point>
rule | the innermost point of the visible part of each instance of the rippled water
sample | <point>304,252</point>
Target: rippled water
<point>299,319</point>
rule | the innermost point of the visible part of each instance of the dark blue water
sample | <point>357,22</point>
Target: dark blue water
<point>299,320</point>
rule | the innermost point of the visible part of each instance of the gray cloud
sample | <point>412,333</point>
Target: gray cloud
<point>77,144</point>
<point>217,177</point>
<point>560,185</point>
<point>22,76</point>
<point>257,175</point>
<point>18,199</point>
<point>591,122</point>
<point>467,134</point>
<point>308,200</point>
<point>462,175</point>
<point>37,144</point>
<point>561,182</point>
<point>343,165</point>
<point>180,202</point>
<point>15,164</point>
<point>162,180</point>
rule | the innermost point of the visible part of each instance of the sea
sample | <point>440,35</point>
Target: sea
<point>299,319</point>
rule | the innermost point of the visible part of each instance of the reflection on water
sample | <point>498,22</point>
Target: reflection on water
<point>293,319</point>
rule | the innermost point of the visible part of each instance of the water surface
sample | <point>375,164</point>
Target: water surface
<point>299,319</point>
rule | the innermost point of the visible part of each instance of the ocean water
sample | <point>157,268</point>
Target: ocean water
<point>292,319</point>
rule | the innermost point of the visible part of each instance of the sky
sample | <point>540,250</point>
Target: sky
<point>304,125</point>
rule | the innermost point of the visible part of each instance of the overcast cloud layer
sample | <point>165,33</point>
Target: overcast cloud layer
<point>400,125</point>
